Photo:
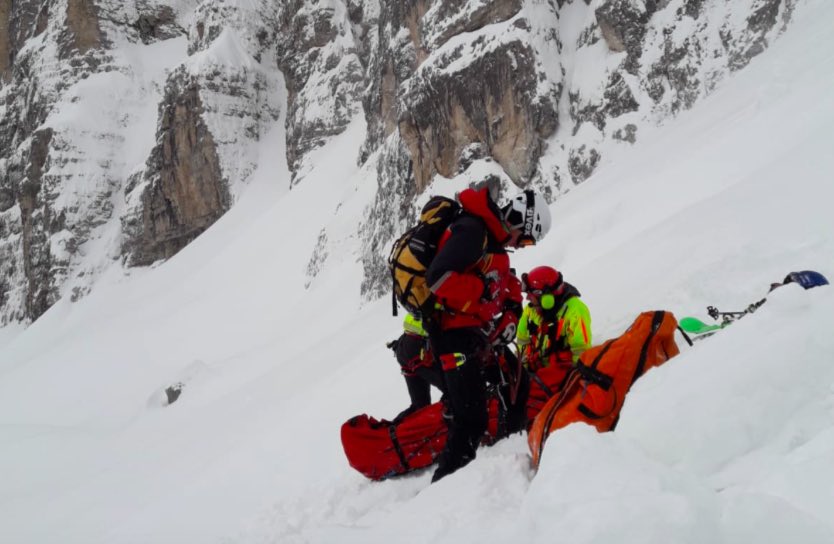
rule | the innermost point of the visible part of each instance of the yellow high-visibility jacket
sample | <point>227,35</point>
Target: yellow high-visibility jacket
<point>414,325</point>
<point>541,343</point>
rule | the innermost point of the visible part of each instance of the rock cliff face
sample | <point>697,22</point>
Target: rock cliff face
<point>48,47</point>
<point>322,51</point>
<point>443,95</point>
<point>109,154</point>
<point>215,107</point>
<point>543,88</point>
<point>187,191</point>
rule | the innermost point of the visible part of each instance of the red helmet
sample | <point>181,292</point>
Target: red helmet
<point>542,279</point>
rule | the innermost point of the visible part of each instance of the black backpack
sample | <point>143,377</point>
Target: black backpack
<point>414,251</point>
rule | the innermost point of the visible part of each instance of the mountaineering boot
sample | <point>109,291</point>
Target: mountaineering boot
<point>466,399</point>
<point>458,453</point>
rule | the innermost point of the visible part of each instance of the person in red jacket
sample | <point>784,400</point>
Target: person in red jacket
<point>421,370</point>
<point>466,278</point>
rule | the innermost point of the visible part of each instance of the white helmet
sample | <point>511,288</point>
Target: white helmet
<point>529,213</point>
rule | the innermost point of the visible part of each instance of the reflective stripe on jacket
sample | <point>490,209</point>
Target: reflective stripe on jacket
<point>414,325</point>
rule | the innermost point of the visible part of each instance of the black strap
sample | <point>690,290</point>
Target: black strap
<point>404,460</point>
<point>392,432</point>
<point>407,296</point>
<point>587,412</point>
<point>501,428</point>
<point>604,350</point>
<point>393,292</point>
<point>590,414</point>
<point>590,374</point>
<point>593,376</point>
<point>657,319</point>
<point>686,336</point>
<point>544,387</point>
<point>410,270</point>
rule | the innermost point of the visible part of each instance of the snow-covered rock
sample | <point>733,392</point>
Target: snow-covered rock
<point>513,79</point>
<point>128,128</point>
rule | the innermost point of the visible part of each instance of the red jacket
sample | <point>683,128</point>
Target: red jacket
<point>470,273</point>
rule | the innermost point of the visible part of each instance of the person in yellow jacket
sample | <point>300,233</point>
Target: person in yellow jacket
<point>555,326</point>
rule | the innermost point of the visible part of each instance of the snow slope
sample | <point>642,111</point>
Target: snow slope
<point>733,441</point>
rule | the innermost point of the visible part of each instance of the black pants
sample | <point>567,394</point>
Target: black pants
<point>465,396</point>
<point>418,377</point>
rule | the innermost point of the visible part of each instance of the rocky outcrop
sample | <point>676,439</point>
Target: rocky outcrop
<point>662,69</point>
<point>455,17</point>
<point>392,209</point>
<point>318,258</point>
<point>5,41</point>
<point>407,33</point>
<point>690,65</point>
<point>582,163</point>
<point>37,224</point>
<point>140,21</point>
<point>397,55</point>
<point>440,105</point>
<point>186,191</point>
<point>622,24</point>
<point>19,21</point>
<point>68,116</point>
<point>82,31</point>
<point>159,24</point>
<point>617,100</point>
<point>491,102</point>
<point>216,108</point>
<point>745,43</point>
<point>322,53</point>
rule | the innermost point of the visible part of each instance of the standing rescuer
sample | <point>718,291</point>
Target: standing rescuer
<point>555,327</point>
<point>466,291</point>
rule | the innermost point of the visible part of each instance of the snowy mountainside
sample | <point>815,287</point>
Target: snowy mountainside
<point>730,442</point>
<point>128,128</point>
<point>547,90</point>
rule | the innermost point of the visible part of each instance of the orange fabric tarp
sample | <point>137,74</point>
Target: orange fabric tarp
<point>595,391</point>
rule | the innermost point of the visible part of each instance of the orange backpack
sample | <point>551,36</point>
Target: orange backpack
<point>595,390</point>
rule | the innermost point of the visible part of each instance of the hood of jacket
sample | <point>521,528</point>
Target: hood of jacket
<point>478,203</point>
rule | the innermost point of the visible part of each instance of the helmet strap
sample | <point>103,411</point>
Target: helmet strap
<point>529,212</point>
